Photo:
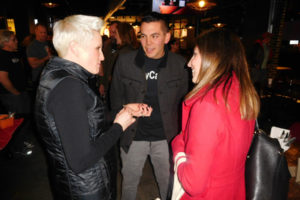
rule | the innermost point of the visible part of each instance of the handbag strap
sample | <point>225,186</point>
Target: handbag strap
<point>256,125</point>
<point>256,128</point>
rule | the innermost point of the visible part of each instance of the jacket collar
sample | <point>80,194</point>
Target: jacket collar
<point>71,67</point>
<point>140,58</point>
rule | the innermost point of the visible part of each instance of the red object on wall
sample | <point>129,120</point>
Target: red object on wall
<point>295,131</point>
<point>167,9</point>
<point>6,134</point>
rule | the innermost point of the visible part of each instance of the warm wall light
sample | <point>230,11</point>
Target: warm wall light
<point>136,24</point>
<point>11,25</point>
<point>219,25</point>
<point>189,26</point>
<point>137,30</point>
<point>106,32</point>
<point>183,33</point>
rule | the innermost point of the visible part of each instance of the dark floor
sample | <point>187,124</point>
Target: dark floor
<point>25,177</point>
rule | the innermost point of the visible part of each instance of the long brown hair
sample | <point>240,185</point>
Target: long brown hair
<point>127,35</point>
<point>223,54</point>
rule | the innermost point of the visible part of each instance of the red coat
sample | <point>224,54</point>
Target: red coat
<point>216,141</point>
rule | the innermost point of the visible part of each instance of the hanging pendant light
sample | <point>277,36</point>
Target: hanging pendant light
<point>50,4</point>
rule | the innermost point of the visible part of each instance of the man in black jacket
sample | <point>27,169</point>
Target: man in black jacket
<point>157,77</point>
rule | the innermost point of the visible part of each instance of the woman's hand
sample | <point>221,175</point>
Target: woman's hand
<point>138,109</point>
<point>124,118</point>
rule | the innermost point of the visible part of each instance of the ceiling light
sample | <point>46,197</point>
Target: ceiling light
<point>201,5</point>
<point>50,4</point>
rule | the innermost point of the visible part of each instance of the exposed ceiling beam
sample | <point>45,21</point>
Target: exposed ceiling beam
<point>113,7</point>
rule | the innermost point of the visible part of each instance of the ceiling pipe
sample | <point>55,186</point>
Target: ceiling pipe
<point>112,10</point>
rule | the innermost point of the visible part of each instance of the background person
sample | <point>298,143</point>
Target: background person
<point>70,116</point>
<point>110,51</point>
<point>126,38</point>
<point>38,53</point>
<point>174,45</point>
<point>23,47</point>
<point>157,77</point>
<point>260,58</point>
<point>12,74</point>
<point>218,120</point>
<point>126,41</point>
<point>13,95</point>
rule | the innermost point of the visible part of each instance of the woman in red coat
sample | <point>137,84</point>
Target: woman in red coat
<point>217,123</point>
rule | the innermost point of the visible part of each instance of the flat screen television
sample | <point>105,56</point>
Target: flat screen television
<point>169,6</point>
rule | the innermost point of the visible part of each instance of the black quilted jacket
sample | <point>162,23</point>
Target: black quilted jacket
<point>94,182</point>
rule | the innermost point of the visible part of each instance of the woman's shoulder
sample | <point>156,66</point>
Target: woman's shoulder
<point>216,96</point>
<point>199,102</point>
<point>230,100</point>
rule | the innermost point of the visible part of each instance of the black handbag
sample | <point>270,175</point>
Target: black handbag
<point>266,175</point>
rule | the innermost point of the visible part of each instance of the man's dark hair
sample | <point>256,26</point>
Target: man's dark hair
<point>155,17</point>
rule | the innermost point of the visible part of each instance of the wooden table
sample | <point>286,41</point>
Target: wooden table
<point>292,156</point>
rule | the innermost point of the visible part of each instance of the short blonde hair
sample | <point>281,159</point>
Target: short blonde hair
<point>77,28</point>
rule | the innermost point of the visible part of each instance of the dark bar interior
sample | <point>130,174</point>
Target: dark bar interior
<point>24,177</point>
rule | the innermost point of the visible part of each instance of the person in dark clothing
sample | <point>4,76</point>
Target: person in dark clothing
<point>126,37</point>
<point>12,74</point>
<point>110,51</point>
<point>13,95</point>
<point>174,45</point>
<point>260,58</point>
<point>157,77</point>
<point>38,53</point>
<point>126,41</point>
<point>70,116</point>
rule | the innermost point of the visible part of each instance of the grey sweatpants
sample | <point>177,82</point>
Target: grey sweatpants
<point>133,163</point>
